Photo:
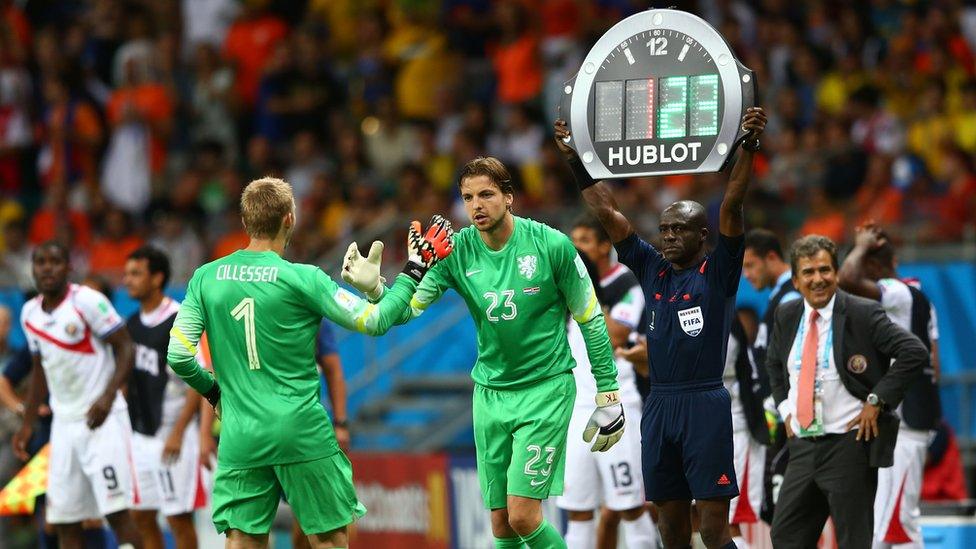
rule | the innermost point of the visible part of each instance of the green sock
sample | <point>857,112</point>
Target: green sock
<point>545,537</point>
<point>509,543</point>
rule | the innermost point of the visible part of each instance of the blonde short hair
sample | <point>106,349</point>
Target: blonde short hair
<point>264,204</point>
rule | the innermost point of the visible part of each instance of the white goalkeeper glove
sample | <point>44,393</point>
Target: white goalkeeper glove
<point>607,422</point>
<point>364,272</point>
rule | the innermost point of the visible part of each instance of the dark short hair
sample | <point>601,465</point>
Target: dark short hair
<point>809,246</point>
<point>592,223</point>
<point>157,260</point>
<point>883,254</point>
<point>56,245</point>
<point>763,241</point>
<point>490,167</point>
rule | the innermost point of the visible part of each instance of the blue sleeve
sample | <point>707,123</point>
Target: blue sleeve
<point>639,256</point>
<point>19,367</point>
<point>325,343</point>
<point>724,267</point>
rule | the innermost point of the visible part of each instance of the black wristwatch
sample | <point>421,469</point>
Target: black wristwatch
<point>340,423</point>
<point>751,145</point>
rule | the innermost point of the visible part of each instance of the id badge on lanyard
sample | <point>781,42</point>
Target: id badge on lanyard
<point>816,427</point>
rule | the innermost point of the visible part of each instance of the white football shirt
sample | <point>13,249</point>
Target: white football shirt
<point>78,363</point>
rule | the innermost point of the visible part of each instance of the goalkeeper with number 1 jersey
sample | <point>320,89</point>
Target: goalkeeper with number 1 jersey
<point>261,314</point>
<point>518,277</point>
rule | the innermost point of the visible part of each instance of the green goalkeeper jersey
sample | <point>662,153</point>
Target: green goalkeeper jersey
<point>519,297</point>
<point>261,315</point>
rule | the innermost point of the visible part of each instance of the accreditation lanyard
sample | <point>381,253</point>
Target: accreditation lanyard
<point>816,428</point>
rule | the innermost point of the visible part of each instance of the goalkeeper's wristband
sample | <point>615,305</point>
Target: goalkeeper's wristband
<point>582,177</point>
<point>414,270</point>
<point>213,395</point>
<point>607,398</point>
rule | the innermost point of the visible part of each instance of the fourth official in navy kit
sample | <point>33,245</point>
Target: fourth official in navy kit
<point>838,367</point>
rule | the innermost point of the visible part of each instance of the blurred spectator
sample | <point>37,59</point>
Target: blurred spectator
<point>250,42</point>
<point>307,161</point>
<point>55,213</point>
<point>212,100</point>
<point>874,129</point>
<point>113,245</point>
<point>825,218</point>
<point>15,262</point>
<point>16,134</point>
<point>931,127</point>
<point>325,207</point>
<point>72,135</point>
<point>417,49</point>
<point>205,23</point>
<point>175,237</point>
<point>390,144</point>
<point>141,115</point>
<point>520,140</point>
<point>234,239</point>
<point>516,55</point>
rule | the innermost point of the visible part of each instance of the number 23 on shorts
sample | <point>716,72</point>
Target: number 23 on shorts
<point>532,465</point>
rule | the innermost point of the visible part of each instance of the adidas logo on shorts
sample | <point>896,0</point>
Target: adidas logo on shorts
<point>723,480</point>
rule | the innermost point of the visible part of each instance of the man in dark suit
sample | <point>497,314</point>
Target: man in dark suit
<point>837,367</point>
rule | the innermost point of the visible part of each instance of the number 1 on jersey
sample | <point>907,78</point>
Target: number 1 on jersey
<point>245,311</point>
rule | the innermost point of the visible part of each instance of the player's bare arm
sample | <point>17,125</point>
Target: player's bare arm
<point>331,367</point>
<point>122,349</point>
<point>852,276</point>
<point>597,195</point>
<point>36,390</point>
<point>731,221</point>
<point>174,443</point>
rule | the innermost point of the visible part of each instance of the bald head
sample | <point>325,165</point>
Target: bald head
<point>689,212</point>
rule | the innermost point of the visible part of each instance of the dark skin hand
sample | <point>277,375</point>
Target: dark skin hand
<point>685,220</point>
<point>854,275</point>
<point>866,423</point>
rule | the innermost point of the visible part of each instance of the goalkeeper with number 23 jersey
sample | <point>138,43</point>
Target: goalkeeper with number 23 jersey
<point>518,277</point>
<point>261,314</point>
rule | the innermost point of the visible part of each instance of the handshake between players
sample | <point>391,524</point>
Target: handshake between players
<point>604,428</point>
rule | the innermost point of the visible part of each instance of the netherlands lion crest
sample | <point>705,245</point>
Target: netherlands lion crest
<point>527,265</point>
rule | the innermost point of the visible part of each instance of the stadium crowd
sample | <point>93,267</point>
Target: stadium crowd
<point>124,122</point>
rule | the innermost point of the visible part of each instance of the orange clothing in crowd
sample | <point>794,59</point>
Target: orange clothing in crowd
<point>42,227</point>
<point>884,207</point>
<point>68,160</point>
<point>230,243</point>
<point>249,44</point>
<point>154,105</point>
<point>517,69</point>
<point>109,256</point>
<point>832,225</point>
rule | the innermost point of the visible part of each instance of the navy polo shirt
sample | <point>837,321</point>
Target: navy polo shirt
<point>689,312</point>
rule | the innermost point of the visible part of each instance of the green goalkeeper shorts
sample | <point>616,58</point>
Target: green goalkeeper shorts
<point>320,492</point>
<point>520,437</point>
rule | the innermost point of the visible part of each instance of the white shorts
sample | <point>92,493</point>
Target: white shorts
<point>896,509</point>
<point>750,461</point>
<point>174,488</point>
<point>91,472</point>
<point>612,478</point>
